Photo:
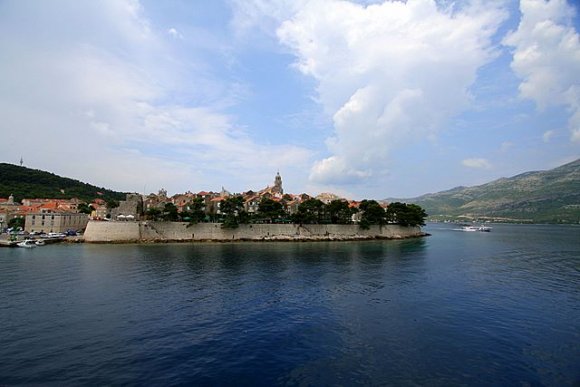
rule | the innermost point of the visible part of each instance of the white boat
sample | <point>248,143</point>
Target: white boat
<point>27,243</point>
<point>476,228</point>
<point>39,242</point>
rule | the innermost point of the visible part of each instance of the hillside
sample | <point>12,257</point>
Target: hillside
<point>24,182</point>
<point>551,196</point>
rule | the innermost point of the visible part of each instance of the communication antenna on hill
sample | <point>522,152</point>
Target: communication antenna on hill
<point>21,161</point>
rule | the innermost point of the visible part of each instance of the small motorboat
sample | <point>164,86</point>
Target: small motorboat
<point>27,243</point>
<point>481,228</point>
<point>39,242</point>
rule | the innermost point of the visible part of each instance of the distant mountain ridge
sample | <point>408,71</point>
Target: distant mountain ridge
<point>551,196</point>
<point>29,183</point>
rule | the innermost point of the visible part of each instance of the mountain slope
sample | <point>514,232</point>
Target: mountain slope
<point>24,182</point>
<point>543,196</point>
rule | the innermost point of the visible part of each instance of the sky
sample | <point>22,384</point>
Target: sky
<point>366,99</point>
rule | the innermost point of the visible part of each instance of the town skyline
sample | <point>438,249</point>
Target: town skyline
<point>365,99</point>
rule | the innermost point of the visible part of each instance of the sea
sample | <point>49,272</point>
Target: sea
<point>454,308</point>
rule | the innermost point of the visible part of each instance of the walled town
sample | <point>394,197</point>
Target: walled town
<point>268,205</point>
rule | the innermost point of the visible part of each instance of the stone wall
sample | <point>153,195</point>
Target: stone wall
<point>101,231</point>
<point>176,231</point>
<point>131,206</point>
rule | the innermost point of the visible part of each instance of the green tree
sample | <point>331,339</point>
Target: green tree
<point>24,182</point>
<point>153,213</point>
<point>232,209</point>
<point>84,208</point>
<point>270,209</point>
<point>112,203</point>
<point>372,213</point>
<point>406,214</point>
<point>195,211</point>
<point>16,223</point>
<point>310,211</point>
<point>170,212</point>
<point>418,215</point>
<point>339,212</point>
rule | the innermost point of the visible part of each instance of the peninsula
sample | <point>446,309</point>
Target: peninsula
<point>266,214</point>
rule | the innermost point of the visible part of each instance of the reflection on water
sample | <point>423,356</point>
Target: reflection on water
<point>454,308</point>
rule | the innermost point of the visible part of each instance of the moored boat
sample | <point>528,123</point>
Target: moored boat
<point>27,243</point>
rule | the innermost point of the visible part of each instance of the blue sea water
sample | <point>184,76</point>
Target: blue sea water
<point>455,308</point>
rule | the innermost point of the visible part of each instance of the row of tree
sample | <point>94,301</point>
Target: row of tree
<point>311,211</point>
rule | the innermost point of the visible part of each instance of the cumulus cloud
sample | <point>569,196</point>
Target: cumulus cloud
<point>96,91</point>
<point>387,74</point>
<point>476,163</point>
<point>175,33</point>
<point>546,56</point>
<point>547,136</point>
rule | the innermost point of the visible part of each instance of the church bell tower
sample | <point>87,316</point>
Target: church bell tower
<point>278,183</point>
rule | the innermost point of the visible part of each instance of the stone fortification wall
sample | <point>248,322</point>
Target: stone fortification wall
<point>176,231</point>
<point>100,231</point>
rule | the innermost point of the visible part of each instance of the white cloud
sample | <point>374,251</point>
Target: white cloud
<point>388,73</point>
<point>547,57</point>
<point>547,136</point>
<point>505,146</point>
<point>94,84</point>
<point>264,15</point>
<point>174,33</point>
<point>476,163</point>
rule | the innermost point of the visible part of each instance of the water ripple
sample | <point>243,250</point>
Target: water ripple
<point>452,309</point>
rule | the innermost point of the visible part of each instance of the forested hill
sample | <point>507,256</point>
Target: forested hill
<point>551,196</point>
<point>24,182</point>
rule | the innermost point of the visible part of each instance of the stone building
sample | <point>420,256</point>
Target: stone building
<point>278,184</point>
<point>55,222</point>
<point>129,209</point>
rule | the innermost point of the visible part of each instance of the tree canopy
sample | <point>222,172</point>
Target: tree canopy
<point>372,213</point>
<point>24,183</point>
<point>194,211</point>
<point>232,209</point>
<point>339,212</point>
<point>310,211</point>
<point>406,214</point>
<point>270,209</point>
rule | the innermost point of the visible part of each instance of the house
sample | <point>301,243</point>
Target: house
<point>357,215</point>
<point>100,209</point>
<point>327,197</point>
<point>4,219</point>
<point>251,202</point>
<point>58,222</point>
<point>215,205</point>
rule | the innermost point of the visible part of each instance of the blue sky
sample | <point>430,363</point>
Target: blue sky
<point>367,99</point>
